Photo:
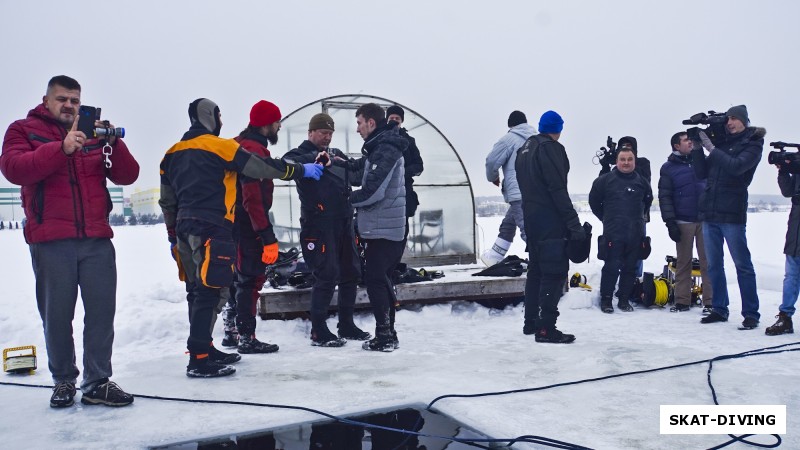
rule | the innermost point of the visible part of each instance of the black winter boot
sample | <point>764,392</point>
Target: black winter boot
<point>605,305</point>
<point>201,367</point>
<point>322,337</point>
<point>249,345</point>
<point>624,305</point>
<point>231,338</point>
<point>221,357</point>
<point>782,326</point>
<point>384,340</point>
<point>351,332</point>
<point>554,336</point>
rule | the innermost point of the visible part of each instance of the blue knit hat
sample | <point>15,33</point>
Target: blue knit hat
<point>551,123</point>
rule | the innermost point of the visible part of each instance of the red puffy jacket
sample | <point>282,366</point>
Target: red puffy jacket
<point>63,196</point>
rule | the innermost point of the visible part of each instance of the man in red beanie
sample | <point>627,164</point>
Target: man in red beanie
<point>255,240</point>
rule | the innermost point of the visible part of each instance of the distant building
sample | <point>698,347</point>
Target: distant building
<point>146,201</point>
<point>11,204</point>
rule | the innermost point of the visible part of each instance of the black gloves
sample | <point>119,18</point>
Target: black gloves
<point>674,231</point>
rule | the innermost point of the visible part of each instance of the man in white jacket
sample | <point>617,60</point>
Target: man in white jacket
<point>504,155</point>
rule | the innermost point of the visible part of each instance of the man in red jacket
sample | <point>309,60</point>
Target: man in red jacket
<point>255,240</point>
<point>63,176</point>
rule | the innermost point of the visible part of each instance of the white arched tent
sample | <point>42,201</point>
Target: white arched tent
<point>443,229</point>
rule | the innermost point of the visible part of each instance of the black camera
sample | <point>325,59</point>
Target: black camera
<point>87,116</point>
<point>607,156</point>
<point>715,130</point>
<point>781,157</point>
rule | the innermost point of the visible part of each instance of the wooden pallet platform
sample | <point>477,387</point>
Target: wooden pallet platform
<point>274,303</point>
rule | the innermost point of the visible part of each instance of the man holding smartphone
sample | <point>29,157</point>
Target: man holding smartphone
<point>63,176</point>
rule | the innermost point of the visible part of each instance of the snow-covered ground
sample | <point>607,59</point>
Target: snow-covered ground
<point>468,349</point>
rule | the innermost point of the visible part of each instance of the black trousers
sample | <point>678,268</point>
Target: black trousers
<point>543,290</point>
<point>620,263</point>
<point>329,248</point>
<point>250,278</point>
<point>382,255</point>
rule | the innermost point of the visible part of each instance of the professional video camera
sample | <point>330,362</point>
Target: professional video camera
<point>606,156</point>
<point>88,115</point>
<point>781,156</point>
<point>715,129</point>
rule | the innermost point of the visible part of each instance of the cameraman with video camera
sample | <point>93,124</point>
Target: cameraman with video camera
<point>63,173</point>
<point>789,182</point>
<point>728,170</point>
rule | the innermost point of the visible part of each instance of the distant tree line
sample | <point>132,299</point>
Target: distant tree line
<point>135,219</point>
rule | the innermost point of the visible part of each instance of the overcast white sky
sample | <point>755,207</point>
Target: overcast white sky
<point>609,68</point>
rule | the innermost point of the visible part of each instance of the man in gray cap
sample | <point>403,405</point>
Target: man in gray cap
<point>327,236</point>
<point>728,169</point>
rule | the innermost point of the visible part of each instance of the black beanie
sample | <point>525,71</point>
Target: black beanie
<point>206,113</point>
<point>516,118</point>
<point>394,109</point>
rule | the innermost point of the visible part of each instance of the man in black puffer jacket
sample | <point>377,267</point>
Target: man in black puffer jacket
<point>728,171</point>
<point>381,205</point>
<point>619,199</point>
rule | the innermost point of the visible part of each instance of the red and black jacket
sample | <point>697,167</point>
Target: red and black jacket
<point>64,196</point>
<point>255,195</point>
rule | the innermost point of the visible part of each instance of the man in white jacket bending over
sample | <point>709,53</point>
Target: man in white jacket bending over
<point>504,155</point>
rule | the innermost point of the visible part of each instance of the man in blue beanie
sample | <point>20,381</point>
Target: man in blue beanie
<point>550,220</point>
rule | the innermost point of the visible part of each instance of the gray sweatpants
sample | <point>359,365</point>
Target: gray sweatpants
<point>60,268</point>
<point>512,221</point>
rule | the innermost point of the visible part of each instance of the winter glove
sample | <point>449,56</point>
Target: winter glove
<point>496,182</point>
<point>674,231</point>
<point>173,247</point>
<point>312,170</point>
<point>577,235</point>
<point>270,254</point>
<point>705,140</point>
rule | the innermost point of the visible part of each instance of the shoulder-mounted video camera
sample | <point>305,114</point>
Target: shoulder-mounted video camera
<point>606,156</point>
<point>715,129</point>
<point>87,116</point>
<point>780,157</point>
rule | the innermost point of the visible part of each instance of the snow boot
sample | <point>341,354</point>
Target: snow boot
<point>231,338</point>
<point>782,326</point>
<point>624,305</point>
<point>554,336</point>
<point>384,340</point>
<point>679,307</point>
<point>605,305</point>
<point>63,394</point>
<point>249,345</point>
<point>221,357</point>
<point>200,366</point>
<point>713,318</point>
<point>324,338</point>
<point>352,333</point>
<point>749,323</point>
<point>496,253</point>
